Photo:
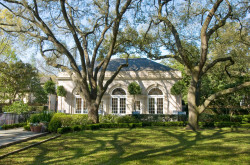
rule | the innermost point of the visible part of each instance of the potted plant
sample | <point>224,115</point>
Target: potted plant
<point>35,127</point>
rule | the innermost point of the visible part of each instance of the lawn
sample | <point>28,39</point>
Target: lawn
<point>150,145</point>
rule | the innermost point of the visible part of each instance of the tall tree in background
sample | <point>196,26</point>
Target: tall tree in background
<point>17,79</point>
<point>175,27</point>
<point>79,30</point>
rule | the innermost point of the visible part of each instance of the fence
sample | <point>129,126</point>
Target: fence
<point>11,118</point>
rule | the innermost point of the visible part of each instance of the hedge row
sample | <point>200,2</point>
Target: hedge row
<point>224,118</point>
<point>76,128</point>
<point>10,126</point>
<point>61,120</point>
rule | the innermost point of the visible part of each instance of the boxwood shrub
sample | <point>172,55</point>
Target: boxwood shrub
<point>64,130</point>
<point>10,126</point>
<point>226,124</point>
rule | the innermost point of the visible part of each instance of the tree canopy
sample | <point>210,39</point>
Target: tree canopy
<point>80,31</point>
<point>16,80</point>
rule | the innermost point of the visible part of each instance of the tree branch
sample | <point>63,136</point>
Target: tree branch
<point>221,22</point>
<point>202,107</point>
<point>212,64</point>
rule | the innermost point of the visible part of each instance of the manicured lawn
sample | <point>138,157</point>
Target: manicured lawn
<point>150,145</point>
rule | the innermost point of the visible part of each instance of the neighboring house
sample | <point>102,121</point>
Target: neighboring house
<point>154,79</point>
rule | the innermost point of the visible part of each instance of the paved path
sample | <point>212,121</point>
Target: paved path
<point>12,136</point>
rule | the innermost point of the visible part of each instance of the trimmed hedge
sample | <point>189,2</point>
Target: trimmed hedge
<point>64,130</point>
<point>245,125</point>
<point>64,120</point>
<point>226,124</point>
<point>10,126</point>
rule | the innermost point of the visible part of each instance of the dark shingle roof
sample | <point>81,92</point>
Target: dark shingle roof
<point>137,64</point>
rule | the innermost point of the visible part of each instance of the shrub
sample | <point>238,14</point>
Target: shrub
<point>126,119</point>
<point>55,122</point>
<point>39,117</point>
<point>108,118</point>
<point>10,126</point>
<point>245,125</point>
<point>226,124</point>
<point>64,130</point>
<point>80,119</point>
<point>144,124</point>
<point>158,124</point>
<point>76,128</point>
<point>108,125</point>
<point>123,125</point>
<point>17,107</point>
<point>206,124</point>
<point>138,124</point>
<point>246,119</point>
<point>27,127</point>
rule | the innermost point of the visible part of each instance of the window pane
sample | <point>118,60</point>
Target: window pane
<point>155,91</point>
<point>122,105</point>
<point>114,105</point>
<point>118,91</point>
<point>78,105</point>
<point>151,105</point>
<point>159,105</point>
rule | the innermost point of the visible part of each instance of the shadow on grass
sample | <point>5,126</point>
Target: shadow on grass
<point>143,145</point>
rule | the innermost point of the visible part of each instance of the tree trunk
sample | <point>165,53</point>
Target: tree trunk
<point>93,112</point>
<point>193,112</point>
<point>193,117</point>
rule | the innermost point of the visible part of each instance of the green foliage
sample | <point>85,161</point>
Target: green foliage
<point>64,120</point>
<point>61,91</point>
<point>64,130</point>
<point>26,127</point>
<point>246,119</point>
<point>130,56</point>
<point>17,107</point>
<point>8,54</point>
<point>245,125</point>
<point>50,87</point>
<point>55,122</point>
<point>16,79</point>
<point>41,96</point>
<point>76,128</point>
<point>226,124</point>
<point>45,116</point>
<point>38,108</point>
<point>108,118</point>
<point>11,126</point>
<point>126,119</point>
<point>134,88</point>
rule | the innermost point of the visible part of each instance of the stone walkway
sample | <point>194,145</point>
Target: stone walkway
<point>13,136</point>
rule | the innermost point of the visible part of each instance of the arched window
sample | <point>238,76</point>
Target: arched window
<point>155,91</point>
<point>155,101</point>
<point>118,91</point>
<point>118,101</point>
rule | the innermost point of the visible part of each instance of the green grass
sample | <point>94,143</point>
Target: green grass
<point>150,145</point>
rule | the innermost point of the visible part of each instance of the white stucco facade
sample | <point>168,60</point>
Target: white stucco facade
<point>164,103</point>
